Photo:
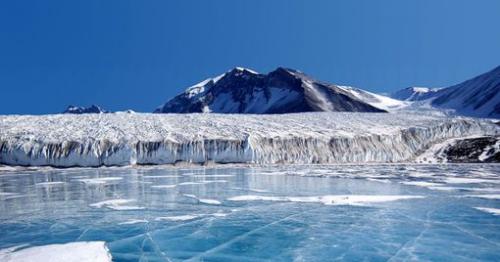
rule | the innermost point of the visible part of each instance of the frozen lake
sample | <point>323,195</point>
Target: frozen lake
<point>228,213</point>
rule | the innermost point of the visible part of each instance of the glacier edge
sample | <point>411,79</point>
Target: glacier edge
<point>120,139</point>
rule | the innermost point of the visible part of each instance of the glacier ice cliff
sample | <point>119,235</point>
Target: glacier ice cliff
<point>128,139</point>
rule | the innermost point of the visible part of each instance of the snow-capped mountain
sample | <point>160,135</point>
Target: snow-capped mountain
<point>415,93</point>
<point>93,109</point>
<point>283,90</point>
<point>477,97</point>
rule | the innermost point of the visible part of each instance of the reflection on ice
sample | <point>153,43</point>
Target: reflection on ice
<point>217,213</point>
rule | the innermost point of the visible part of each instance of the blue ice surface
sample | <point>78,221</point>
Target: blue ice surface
<point>169,213</point>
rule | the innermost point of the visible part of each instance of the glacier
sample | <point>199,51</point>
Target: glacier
<point>120,139</point>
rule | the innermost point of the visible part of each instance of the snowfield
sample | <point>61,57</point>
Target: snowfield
<point>128,139</point>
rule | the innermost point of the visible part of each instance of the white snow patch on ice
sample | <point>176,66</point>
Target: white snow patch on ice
<point>177,218</point>
<point>421,183</point>
<point>494,211</point>
<point>47,184</point>
<point>70,252</point>
<point>133,221</point>
<point>203,200</point>
<point>465,180</point>
<point>328,199</point>
<point>190,183</point>
<point>165,176</point>
<point>486,196</point>
<point>214,181</point>
<point>209,201</point>
<point>7,194</point>
<point>100,180</point>
<point>203,176</point>
<point>164,186</point>
<point>117,204</point>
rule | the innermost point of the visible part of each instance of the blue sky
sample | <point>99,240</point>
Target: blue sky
<point>137,54</point>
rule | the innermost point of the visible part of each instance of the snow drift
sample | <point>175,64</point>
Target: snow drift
<point>127,139</point>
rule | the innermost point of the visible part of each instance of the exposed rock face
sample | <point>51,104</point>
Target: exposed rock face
<point>281,91</point>
<point>481,149</point>
<point>93,109</point>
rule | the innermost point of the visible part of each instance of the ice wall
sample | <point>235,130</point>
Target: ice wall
<point>125,139</point>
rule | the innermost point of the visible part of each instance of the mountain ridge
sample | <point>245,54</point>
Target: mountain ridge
<point>476,97</point>
<point>283,90</point>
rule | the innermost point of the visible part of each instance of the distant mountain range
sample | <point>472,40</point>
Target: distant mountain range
<point>93,109</point>
<point>477,97</point>
<point>283,90</point>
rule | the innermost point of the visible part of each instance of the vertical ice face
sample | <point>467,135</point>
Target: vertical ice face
<point>125,139</point>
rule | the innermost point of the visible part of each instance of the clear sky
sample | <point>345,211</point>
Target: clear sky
<point>137,54</point>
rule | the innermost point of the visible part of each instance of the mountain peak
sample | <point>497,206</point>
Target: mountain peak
<point>283,90</point>
<point>242,70</point>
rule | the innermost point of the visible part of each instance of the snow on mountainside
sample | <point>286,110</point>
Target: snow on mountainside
<point>283,90</point>
<point>304,138</point>
<point>93,109</point>
<point>415,93</point>
<point>376,100</point>
<point>477,97</point>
